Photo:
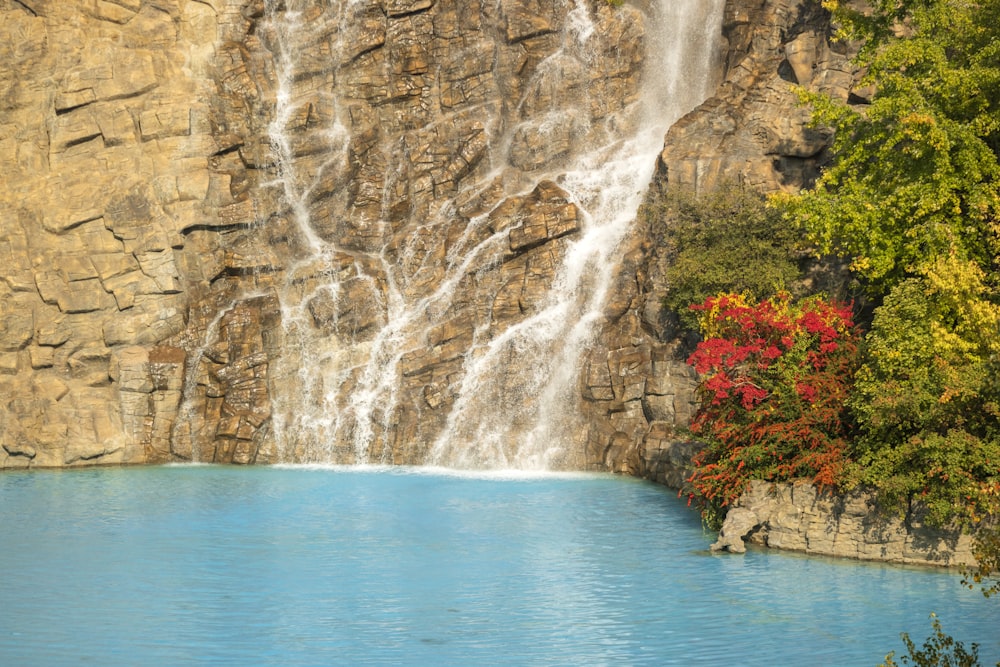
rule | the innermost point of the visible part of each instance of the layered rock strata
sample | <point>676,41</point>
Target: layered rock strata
<point>115,186</point>
<point>798,517</point>
<point>754,131</point>
<point>402,156</point>
<point>161,289</point>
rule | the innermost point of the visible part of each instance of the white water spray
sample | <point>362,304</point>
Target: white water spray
<point>608,185</point>
<point>511,386</point>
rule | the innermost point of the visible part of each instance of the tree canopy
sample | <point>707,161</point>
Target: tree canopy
<point>912,198</point>
<point>915,174</point>
<point>727,241</point>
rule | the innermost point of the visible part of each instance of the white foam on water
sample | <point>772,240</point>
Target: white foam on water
<point>503,475</point>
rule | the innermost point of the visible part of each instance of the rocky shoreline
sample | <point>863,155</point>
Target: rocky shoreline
<point>799,517</point>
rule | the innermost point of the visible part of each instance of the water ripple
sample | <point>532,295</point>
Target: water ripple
<point>293,566</point>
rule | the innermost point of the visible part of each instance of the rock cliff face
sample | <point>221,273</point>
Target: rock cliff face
<point>245,231</point>
<point>403,158</point>
<point>114,182</point>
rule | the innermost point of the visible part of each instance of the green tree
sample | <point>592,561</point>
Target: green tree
<point>915,173</point>
<point>986,574</point>
<point>927,396</point>
<point>939,650</point>
<point>912,198</point>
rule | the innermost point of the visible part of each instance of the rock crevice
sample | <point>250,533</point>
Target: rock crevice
<point>143,211</point>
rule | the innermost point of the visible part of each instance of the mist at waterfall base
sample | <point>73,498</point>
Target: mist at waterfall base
<point>197,565</point>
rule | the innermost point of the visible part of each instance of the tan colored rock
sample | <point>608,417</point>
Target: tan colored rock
<point>16,323</point>
<point>9,363</point>
<point>130,370</point>
<point>755,130</point>
<point>148,233</point>
<point>799,517</point>
<point>105,125</point>
<point>739,522</point>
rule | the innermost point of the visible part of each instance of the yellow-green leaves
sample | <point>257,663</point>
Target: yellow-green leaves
<point>912,198</point>
<point>967,323</point>
<point>916,175</point>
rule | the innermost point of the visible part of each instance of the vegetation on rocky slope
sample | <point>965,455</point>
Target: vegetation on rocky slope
<point>731,241</point>
<point>911,199</point>
<point>777,375</point>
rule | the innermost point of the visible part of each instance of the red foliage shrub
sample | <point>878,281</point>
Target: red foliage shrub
<point>774,387</point>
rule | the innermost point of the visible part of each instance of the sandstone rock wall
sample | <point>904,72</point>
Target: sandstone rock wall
<point>798,517</point>
<point>111,177</point>
<point>755,131</point>
<point>385,142</point>
<point>160,291</point>
<point>161,294</point>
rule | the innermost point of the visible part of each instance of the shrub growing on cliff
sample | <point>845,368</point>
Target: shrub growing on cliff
<point>928,397</point>
<point>774,388</point>
<point>915,174</point>
<point>730,240</point>
<point>913,198</point>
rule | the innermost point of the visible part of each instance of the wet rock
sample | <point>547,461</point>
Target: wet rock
<point>738,524</point>
<point>154,219</point>
<point>544,215</point>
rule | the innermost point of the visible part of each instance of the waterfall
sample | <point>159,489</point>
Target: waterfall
<point>448,330</point>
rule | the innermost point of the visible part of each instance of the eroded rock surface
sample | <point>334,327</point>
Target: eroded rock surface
<point>190,208</point>
<point>755,130</point>
<point>159,286</point>
<point>638,392</point>
<point>108,139</point>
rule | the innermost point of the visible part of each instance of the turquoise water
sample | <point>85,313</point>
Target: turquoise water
<point>298,566</point>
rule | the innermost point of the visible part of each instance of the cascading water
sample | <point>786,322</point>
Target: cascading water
<point>451,333</point>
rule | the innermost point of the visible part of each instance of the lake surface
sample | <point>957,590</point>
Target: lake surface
<point>303,566</point>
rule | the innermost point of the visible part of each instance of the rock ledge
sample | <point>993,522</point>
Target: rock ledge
<point>799,517</point>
